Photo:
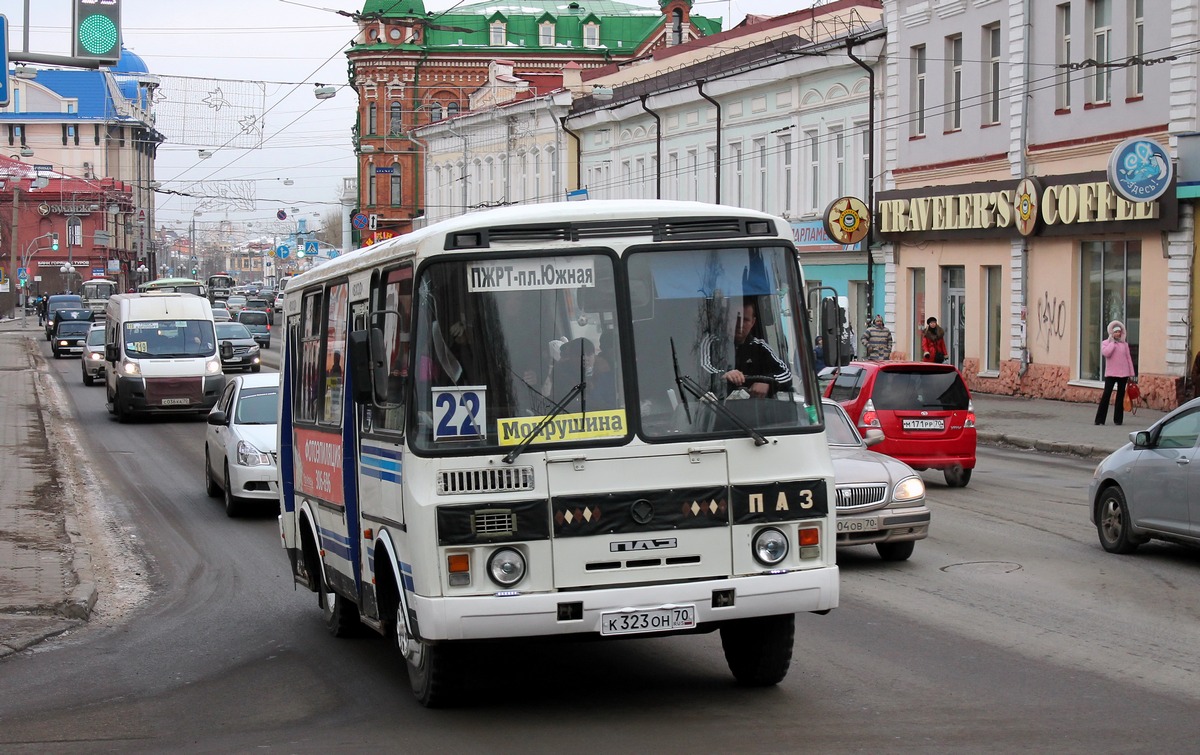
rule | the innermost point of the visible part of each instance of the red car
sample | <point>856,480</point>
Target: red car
<point>924,410</point>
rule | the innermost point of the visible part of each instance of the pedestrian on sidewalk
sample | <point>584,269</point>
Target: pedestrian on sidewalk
<point>878,341</point>
<point>933,341</point>
<point>1118,368</point>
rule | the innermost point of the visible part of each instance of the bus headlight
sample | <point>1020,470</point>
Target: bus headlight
<point>506,567</point>
<point>770,546</point>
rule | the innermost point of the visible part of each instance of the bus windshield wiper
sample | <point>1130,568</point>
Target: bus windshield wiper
<point>707,397</point>
<point>579,389</point>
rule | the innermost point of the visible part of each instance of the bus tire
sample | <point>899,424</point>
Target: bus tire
<point>759,650</point>
<point>435,672</point>
<point>340,614</point>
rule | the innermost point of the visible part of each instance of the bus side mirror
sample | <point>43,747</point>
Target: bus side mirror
<point>367,370</point>
<point>830,330</point>
<point>111,353</point>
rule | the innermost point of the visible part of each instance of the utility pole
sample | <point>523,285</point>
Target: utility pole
<point>12,269</point>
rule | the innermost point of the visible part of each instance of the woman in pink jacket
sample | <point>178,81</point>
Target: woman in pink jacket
<point>1118,368</point>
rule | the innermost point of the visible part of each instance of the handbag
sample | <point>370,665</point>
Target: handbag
<point>1133,392</point>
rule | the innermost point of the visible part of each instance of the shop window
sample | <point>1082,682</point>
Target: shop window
<point>994,316</point>
<point>916,300</point>
<point>1110,282</point>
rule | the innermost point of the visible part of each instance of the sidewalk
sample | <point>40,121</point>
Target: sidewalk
<point>46,584</point>
<point>46,581</point>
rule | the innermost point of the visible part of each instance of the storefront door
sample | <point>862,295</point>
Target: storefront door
<point>954,305</point>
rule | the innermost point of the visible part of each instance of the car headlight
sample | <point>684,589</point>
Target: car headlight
<point>131,368</point>
<point>253,349</point>
<point>213,366</point>
<point>95,357</point>
<point>909,489</point>
<point>249,456</point>
<point>506,567</point>
<point>770,546</point>
<point>62,343</point>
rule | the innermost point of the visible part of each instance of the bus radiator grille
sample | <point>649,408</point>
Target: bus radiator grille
<point>470,481</point>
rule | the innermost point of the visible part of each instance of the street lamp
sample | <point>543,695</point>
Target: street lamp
<point>67,270</point>
<point>143,272</point>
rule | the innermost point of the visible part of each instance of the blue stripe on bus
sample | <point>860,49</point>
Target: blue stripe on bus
<point>335,542</point>
<point>380,463</point>
<point>380,451</point>
<point>378,475</point>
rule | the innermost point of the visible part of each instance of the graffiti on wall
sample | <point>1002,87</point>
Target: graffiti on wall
<point>1051,319</point>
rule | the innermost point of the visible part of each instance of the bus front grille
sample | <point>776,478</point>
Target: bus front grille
<point>470,481</point>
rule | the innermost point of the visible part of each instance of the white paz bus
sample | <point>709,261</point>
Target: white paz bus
<point>591,418</point>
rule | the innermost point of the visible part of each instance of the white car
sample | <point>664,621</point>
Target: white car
<point>880,500</point>
<point>235,304</point>
<point>240,457</point>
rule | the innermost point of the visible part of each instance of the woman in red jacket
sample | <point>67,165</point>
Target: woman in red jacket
<point>933,341</point>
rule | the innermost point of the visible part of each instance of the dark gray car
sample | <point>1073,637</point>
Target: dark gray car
<point>243,353</point>
<point>258,325</point>
<point>1148,488</point>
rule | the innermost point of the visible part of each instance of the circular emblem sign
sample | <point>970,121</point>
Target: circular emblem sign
<point>1140,170</point>
<point>281,215</point>
<point>847,220</point>
<point>43,209</point>
<point>1025,205</point>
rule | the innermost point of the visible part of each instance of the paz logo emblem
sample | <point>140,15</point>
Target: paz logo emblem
<point>642,511</point>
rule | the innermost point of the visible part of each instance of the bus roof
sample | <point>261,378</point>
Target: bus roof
<point>165,282</point>
<point>551,215</point>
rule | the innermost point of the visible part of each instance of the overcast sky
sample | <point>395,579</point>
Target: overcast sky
<point>290,46</point>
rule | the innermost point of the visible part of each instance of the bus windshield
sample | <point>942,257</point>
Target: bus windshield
<point>520,348</point>
<point>98,290</point>
<point>160,339</point>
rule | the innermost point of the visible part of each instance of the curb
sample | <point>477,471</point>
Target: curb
<point>1046,446</point>
<point>84,595</point>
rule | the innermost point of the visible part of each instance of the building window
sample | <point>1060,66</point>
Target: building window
<point>1138,44</point>
<point>1062,85</point>
<point>591,35</point>
<point>1100,43</point>
<point>372,112</point>
<point>74,232</point>
<point>918,90</point>
<point>814,169</point>
<point>673,175</point>
<point>994,315</point>
<point>499,35</point>
<point>991,74</point>
<point>452,110</point>
<point>739,186</point>
<point>676,27</point>
<point>395,119</point>
<point>866,159</point>
<point>838,148</point>
<point>546,34</point>
<point>916,301</point>
<point>760,151</point>
<point>371,185</point>
<point>394,189</point>
<point>435,112</point>
<point>1110,278</point>
<point>639,175</point>
<point>954,59</point>
<point>785,193</point>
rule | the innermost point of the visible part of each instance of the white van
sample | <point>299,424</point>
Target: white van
<point>160,353</point>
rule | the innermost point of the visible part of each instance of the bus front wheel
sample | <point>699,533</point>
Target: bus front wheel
<point>434,671</point>
<point>759,650</point>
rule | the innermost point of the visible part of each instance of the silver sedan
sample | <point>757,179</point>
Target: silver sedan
<point>1150,487</point>
<point>880,500</point>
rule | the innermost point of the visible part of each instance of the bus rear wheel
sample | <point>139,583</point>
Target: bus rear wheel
<point>759,650</point>
<point>435,672</point>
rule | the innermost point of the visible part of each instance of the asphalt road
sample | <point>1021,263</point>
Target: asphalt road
<point>1009,629</point>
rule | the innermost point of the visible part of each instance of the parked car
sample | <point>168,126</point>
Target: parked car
<point>258,325</point>
<point>239,445</point>
<point>259,304</point>
<point>58,302</point>
<point>880,500</point>
<point>1146,489</point>
<point>924,410</point>
<point>242,352</point>
<point>235,304</point>
<point>93,355</point>
<point>69,336</point>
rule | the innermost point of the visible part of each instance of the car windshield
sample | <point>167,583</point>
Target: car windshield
<point>838,428</point>
<point>95,337</point>
<point>256,303</point>
<point>257,406</point>
<point>170,338</point>
<point>252,318</point>
<point>72,328</point>
<point>232,330</point>
<point>919,389</point>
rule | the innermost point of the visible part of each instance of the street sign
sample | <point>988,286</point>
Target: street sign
<point>311,247</point>
<point>271,253</point>
<point>372,221</point>
<point>360,221</point>
<point>281,215</point>
<point>4,86</point>
<point>282,251</point>
<point>22,272</point>
<point>333,254</point>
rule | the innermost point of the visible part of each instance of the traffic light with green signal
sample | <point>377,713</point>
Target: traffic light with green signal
<point>54,242</point>
<point>97,30</point>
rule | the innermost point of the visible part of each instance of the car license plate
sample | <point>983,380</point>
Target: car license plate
<point>664,619</point>
<point>176,401</point>
<point>869,524</point>
<point>924,424</point>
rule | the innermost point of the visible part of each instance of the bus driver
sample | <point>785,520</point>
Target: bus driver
<point>756,366</point>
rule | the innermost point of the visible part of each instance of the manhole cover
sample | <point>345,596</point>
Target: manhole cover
<point>984,567</point>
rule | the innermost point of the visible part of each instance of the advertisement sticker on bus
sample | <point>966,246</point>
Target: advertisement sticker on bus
<point>319,465</point>
<point>564,427</point>
<point>531,274</point>
<point>460,413</point>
